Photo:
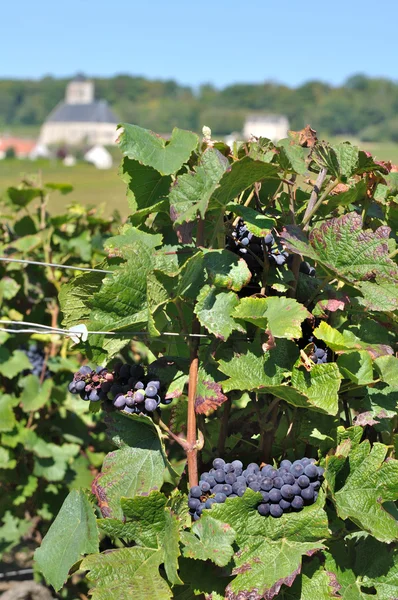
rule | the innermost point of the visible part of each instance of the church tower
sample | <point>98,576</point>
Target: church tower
<point>79,91</point>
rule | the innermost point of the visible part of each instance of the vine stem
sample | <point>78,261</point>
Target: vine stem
<point>318,204</point>
<point>192,447</point>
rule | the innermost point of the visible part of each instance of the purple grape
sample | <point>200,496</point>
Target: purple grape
<point>303,481</point>
<point>297,503</point>
<point>307,494</point>
<point>150,404</point>
<point>286,464</point>
<point>218,463</point>
<point>311,471</point>
<point>288,478</point>
<point>267,484</point>
<point>194,503</point>
<point>230,478</point>
<point>287,492</point>
<point>139,385</point>
<point>321,471</point>
<point>151,391</point>
<point>85,370</point>
<point>155,383</point>
<point>275,511</point>
<point>255,486</point>
<point>284,504</point>
<point>263,509</point>
<point>204,486</point>
<point>72,387</point>
<point>94,396</point>
<point>220,498</point>
<point>265,496</point>
<point>119,401</point>
<point>195,492</point>
<point>209,502</point>
<point>296,469</point>
<point>80,386</point>
<point>237,464</point>
<point>275,495</point>
<point>219,475</point>
<point>139,397</point>
<point>240,491</point>
<point>278,482</point>
<point>227,489</point>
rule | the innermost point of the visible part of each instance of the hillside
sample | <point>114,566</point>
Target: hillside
<point>362,107</point>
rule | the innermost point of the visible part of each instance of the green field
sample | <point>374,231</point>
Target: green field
<point>91,186</point>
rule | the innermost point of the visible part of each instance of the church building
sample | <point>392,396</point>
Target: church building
<point>80,119</point>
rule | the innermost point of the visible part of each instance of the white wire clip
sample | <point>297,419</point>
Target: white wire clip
<point>78,333</point>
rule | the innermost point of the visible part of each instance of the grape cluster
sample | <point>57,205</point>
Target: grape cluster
<point>127,386</point>
<point>319,355</point>
<point>288,488</point>
<point>36,357</point>
<point>253,249</point>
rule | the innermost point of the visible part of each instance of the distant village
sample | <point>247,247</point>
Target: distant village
<point>81,127</point>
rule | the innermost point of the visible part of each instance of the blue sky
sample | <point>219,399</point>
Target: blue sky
<point>220,42</point>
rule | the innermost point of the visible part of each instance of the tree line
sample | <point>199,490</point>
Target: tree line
<point>363,107</point>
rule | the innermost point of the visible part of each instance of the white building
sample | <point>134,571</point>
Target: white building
<point>273,127</point>
<point>80,118</point>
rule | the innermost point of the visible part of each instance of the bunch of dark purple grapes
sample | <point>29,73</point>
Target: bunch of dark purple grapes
<point>253,249</point>
<point>289,488</point>
<point>127,386</point>
<point>91,384</point>
<point>36,357</point>
<point>318,355</point>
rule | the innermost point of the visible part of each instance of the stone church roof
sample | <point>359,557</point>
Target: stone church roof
<point>97,111</point>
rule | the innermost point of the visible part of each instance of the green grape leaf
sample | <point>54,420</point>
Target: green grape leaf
<point>270,550</point>
<point>291,156</point>
<point>387,366</point>
<point>379,297</point>
<point>369,482</point>
<point>7,415</point>
<point>9,288</point>
<point>255,370</point>
<point>192,277</point>
<point>256,222</point>
<point>128,573</point>
<point>34,395</point>
<point>75,297</point>
<point>209,540</point>
<point>347,341</point>
<point>214,309</point>
<point>377,404</point>
<point>129,238</point>
<point>320,385</point>
<point>281,316</point>
<point>191,193</point>
<point>12,531</point>
<point>226,270</point>
<point>149,523</point>
<point>72,534</point>
<point>241,175</point>
<point>147,188</point>
<point>314,582</point>
<point>363,568</point>
<point>345,249</point>
<point>151,150</point>
<point>356,366</point>
<point>201,578</point>
<point>137,467</point>
<point>14,364</point>
<point>22,197</point>
<point>54,467</point>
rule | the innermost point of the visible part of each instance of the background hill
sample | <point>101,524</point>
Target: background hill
<point>362,107</point>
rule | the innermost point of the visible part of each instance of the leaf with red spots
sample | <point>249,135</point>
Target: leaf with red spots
<point>346,250</point>
<point>270,550</point>
<point>209,394</point>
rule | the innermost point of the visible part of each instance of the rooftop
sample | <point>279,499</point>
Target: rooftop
<point>96,112</point>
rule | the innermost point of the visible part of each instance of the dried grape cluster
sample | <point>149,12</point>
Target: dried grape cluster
<point>288,488</point>
<point>126,385</point>
<point>254,249</point>
<point>37,359</point>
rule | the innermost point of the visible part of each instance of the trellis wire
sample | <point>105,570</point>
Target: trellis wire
<point>59,331</point>
<point>46,264</point>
